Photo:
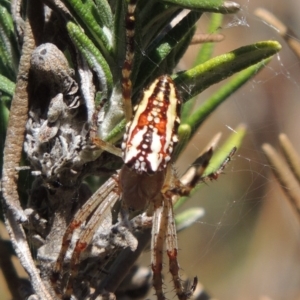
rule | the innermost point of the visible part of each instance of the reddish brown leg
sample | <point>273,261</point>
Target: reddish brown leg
<point>98,197</point>
<point>172,249</point>
<point>157,244</point>
<point>101,213</point>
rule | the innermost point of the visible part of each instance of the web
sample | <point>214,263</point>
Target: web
<point>246,246</point>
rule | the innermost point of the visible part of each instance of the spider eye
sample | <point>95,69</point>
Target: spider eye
<point>151,135</point>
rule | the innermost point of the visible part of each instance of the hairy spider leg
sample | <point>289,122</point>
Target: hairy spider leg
<point>164,227</point>
<point>102,211</point>
<point>129,55</point>
<point>80,217</point>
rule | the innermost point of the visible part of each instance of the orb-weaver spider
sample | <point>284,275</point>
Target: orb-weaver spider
<point>147,180</point>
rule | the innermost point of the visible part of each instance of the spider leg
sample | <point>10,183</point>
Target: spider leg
<point>97,198</point>
<point>164,229</point>
<point>214,175</point>
<point>127,67</point>
<point>98,217</point>
<point>182,188</point>
<point>172,250</point>
<point>105,146</point>
<point>195,174</point>
<point>157,243</point>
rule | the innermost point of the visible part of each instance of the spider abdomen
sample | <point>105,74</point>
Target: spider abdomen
<point>151,135</point>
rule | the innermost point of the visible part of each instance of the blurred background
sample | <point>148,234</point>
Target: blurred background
<point>247,245</point>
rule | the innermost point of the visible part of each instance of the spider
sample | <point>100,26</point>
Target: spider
<point>147,180</point>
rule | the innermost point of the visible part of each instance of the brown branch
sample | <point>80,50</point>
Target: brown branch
<point>291,155</point>
<point>13,212</point>
<point>286,32</point>
<point>284,176</point>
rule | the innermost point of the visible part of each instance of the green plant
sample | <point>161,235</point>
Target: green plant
<point>60,107</point>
